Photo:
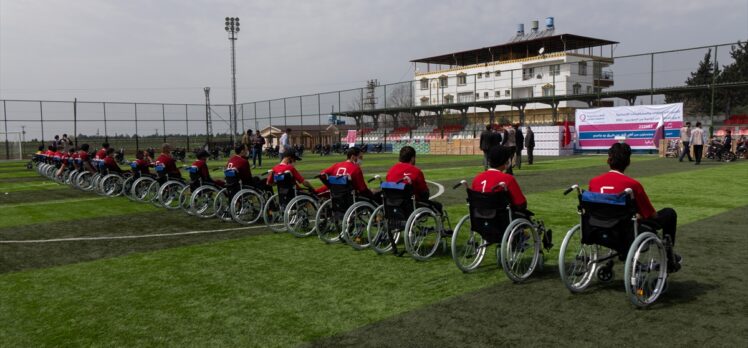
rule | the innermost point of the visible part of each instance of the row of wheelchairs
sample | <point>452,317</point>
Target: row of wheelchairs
<point>396,222</point>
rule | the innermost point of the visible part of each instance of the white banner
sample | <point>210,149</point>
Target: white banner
<point>598,128</point>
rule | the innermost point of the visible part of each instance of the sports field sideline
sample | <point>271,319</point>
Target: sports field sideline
<point>169,279</point>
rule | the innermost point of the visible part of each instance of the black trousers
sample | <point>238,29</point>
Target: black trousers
<point>519,158</point>
<point>257,156</point>
<point>668,220</point>
<point>686,151</point>
<point>529,154</point>
<point>485,159</point>
<point>698,150</point>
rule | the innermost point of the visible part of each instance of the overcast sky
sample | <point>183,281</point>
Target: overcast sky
<point>168,50</point>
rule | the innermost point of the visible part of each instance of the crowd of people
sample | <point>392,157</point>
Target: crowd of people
<point>511,137</point>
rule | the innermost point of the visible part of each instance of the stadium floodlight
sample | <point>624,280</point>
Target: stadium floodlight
<point>232,27</point>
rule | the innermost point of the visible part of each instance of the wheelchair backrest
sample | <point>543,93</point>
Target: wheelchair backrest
<point>607,219</point>
<point>398,200</point>
<point>490,213</point>
<point>341,192</point>
<point>286,187</point>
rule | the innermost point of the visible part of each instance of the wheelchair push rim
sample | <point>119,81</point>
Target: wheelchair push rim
<point>272,214</point>
<point>519,253</point>
<point>646,269</point>
<point>201,201</point>
<point>246,206</point>
<point>468,247</point>
<point>423,233</point>
<point>355,221</point>
<point>328,228</point>
<point>377,229</point>
<point>577,262</point>
<point>299,216</point>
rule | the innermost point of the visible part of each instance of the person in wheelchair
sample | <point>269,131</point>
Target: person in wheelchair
<point>110,163</point>
<point>406,170</point>
<point>202,169</point>
<point>488,181</point>
<point>351,167</point>
<point>102,153</point>
<point>615,182</point>
<point>142,164</point>
<point>85,159</point>
<point>166,160</point>
<point>287,165</point>
<point>240,163</point>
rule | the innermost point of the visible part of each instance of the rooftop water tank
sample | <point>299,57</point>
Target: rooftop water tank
<point>520,29</point>
<point>549,23</point>
<point>534,25</point>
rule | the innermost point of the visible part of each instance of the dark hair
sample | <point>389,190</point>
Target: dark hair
<point>57,137</point>
<point>41,147</point>
<point>64,135</point>
<point>109,151</point>
<point>249,131</point>
<point>354,151</point>
<point>239,149</point>
<point>139,154</point>
<point>288,130</point>
<point>407,153</point>
<point>53,148</point>
<point>698,124</point>
<point>71,149</point>
<point>85,147</point>
<point>498,156</point>
<point>619,156</point>
<point>105,145</point>
<point>202,154</point>
<point>489,126</point>
<point>729,132</point>
<point>688,123</point>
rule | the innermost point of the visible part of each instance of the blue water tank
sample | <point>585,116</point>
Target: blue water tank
<point>549,23</point>
<point>521,29</point>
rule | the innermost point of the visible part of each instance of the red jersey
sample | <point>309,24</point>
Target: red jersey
<point>402,170</point>
<point>282,168</point>
<point>111,164</point>
<point>202,169</point>
<point>143,166</point>
<point>49,153</point>
<point>351,169</point>
<point>170,165</point>
<point>615,182</point>
<point>242,167</point>
<point>489,180</point>
<point>83,155</point>
<point>100,154</point>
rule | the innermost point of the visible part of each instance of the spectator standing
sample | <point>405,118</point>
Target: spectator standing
<point>510,141</point>
<point>285,144</point>
<point>246,139</point>
<point>485,146</point>
<point>520,141</point>
<point>697,140</point>
<point>257,142</point>
<point>685,138</point>
<point>529,144</point>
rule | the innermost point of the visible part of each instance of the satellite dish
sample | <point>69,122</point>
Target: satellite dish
<point>541,50</point>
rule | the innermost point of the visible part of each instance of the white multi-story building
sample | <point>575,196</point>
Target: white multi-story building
<point>539,63</point>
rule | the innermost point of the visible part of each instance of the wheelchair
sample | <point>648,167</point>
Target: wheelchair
<point>419,223</point>
<point>185,194</point>
<point>246,205</point>
<point>521,241</point>
<point>113,184</point>
<point>299,215</point>
<point>275,205</point>
<point>202,200</point>
<point>223,199</point>
<point>162,191</point>
<point>609,229</point>
<point>345,215</point>
<point>140,189</point>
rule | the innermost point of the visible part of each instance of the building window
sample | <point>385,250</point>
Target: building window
<point>424,100</point>
<point>497,94</point>
<point>589,89</point>
<point>555,70</point>
<point>466,97</point>
<point>497,73</point>
<point>583,68</point>
<point>485,95</point>
<point>480,75</point>
<point>424,83</point>
<point>527,73</point>
<point>487,74</point>
<point>477,96</point>
<point>443,81</point>
<point>461,79</point>
<point>577,88</point>
<point>507,93</point>
<point>449,99</point>
<point>548,90</point>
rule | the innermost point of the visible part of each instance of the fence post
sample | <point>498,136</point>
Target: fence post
<point>137,141</point>
<point>75,121</point>
<point>106,134</point>
<point>711,107</point>
<point>163,119</point>
<point>319,117</point>
<point>41,118</point>
<point>244,130</point>
<point>5,119</point>
<point>651,78</point>
<point>187,126</point>
<point>257,127</point>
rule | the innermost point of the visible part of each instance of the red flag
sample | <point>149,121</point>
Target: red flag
<point>567,134</point>
<point>659,131</point>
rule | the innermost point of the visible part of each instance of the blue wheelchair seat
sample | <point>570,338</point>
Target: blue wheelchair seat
<point>607,220</point>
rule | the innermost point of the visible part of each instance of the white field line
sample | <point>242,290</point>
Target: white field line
<point>439,186</point>
<point>61,201</point>
<point>75,239</point>
<point>46,183</point>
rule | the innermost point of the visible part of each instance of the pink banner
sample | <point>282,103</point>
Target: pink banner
<point>628,126</point>
<point>608,142</point>
<point>350,138</point>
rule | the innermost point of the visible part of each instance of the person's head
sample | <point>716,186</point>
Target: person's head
<point>499,156</point>
<point>166,148</point>
<point>110,152</point>
<point>57,137</point>
<point>105,145</point>
<point>71,150</point>
<point>290,157</point>
<point>53,148</point>
<point>698,124</point>
<point>515,126</point>
<point>528,128</point>
<point>288,130</point>
<point>488,127</point>
<point>85,147</point>
<point>41,147</point>
<point>241,151</point>
<point>140,154</point>
<point>688,124</point>
<point>619,156</point>
<point>64,136</point>
<point>728,132</point>
<point>249,132</point>
<point>408,155</point>
<point>202,155</point>
<point>355,155</point>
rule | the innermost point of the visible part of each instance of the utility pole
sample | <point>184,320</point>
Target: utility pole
<point>232,27</point>
<point>208,121</point>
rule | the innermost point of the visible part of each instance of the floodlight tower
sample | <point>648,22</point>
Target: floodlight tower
<point>208,123</point>
<point>232,27</point>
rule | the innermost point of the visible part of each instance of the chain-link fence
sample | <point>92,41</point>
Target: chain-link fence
<point>539,91</point>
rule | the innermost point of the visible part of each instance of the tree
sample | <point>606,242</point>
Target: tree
<point>698,101</point>
<point>737,71</point>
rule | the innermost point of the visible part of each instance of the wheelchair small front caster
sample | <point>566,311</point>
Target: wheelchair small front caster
<point>605,274</point>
